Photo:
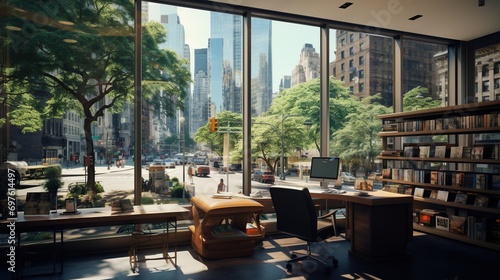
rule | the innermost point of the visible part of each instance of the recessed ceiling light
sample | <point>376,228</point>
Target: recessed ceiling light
<point>12,28</point>
<point>65,22</point>
<point>345,5</point>
<point>70,41</point>
<point>415,17</point>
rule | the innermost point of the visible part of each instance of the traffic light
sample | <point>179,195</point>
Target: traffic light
<point>213,124</point>
<point>216,124</point>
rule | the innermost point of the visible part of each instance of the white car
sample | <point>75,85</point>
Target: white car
<point>347,177</point>
<point>170,163</point>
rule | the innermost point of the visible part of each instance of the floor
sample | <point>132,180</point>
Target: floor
<point>430,257</point>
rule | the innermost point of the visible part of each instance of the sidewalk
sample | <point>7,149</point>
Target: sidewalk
<point>100,169</point>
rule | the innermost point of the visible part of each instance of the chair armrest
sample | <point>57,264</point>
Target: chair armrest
<point>327,215</point>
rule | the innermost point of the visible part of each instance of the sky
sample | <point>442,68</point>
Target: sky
<point>286,44</point>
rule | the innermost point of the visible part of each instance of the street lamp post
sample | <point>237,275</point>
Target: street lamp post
<point>182,120</point>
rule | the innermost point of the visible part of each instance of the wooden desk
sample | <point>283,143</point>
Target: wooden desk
<point>93,217</point>
<point>379,225</point>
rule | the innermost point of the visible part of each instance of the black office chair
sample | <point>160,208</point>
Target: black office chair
<point>297,216</point>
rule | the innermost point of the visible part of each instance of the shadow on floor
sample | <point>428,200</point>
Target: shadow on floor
<point>431,257</point>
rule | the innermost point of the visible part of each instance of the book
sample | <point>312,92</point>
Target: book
<point>226,230</point>
<point>461,198</point>
<point>408,151</point>
<point>434,194</point>
<point>481,201</point>
<point>408,190</point>
<point>457,224</point>
<point>477,152</point>
<point>442,195</point>
<point>434,177</point>
<point>481,181</point>
<point>424,151</point>
<point>440,152</point>
<point>37,203</point>
<point>442,223</point>
<point>419,192</point>
<point>126,205</point>
<point>466,152</point>
<point>439,123</point>
<point>456,152</point>
<point>495,182</point>
<point>386,173</point>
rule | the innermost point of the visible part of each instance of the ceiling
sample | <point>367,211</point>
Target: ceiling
<point>462,20</point>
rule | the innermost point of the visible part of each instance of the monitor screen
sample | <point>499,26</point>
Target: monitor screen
<point>325,169</point>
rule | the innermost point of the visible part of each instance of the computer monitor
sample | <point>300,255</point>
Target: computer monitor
<point>325,169</point>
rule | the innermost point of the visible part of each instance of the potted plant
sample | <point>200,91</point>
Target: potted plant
<point>53,183</point>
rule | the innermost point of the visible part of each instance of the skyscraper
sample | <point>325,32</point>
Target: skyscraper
<point>262,77</point>
<point>200,104</point>
<point>228,28</point>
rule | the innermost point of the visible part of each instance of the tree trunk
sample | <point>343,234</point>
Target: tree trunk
<point>90,152</point>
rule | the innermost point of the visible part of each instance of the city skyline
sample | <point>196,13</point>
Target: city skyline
<point>286,48</point>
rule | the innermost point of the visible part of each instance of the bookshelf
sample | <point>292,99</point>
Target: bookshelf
<point>466,165</point>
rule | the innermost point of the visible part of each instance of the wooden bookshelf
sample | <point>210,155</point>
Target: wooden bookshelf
<point>462,125</point>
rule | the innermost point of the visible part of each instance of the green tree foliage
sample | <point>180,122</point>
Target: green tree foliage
<point>215,140</point>
<point>357,143</point>
<point>80,56</point>
<point>419,99</point>
<point>304,100</point>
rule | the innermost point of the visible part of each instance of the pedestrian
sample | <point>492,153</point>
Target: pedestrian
<point>221,187</point>
<point>190,173</point>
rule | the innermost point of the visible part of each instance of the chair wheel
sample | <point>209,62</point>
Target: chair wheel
<point>289,267</point>
<point>294,256</point>
<point>335,262</point>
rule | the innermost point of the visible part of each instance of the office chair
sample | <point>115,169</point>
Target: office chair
<point>297,216</point>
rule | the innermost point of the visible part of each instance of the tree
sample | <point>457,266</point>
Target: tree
<point>82,54</point>
<point>303,99</point>
<point>215,140</point>
<point>358,139</point>
<point>418,99</point>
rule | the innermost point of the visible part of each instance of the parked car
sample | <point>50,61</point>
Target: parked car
<point>170,163</point>
<point>347,178</point>
<point>263,176</point>
<point>201,170</point>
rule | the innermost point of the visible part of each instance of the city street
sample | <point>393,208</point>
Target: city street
<point>118,182</point>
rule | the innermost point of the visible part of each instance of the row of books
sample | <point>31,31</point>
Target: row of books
<point>478,200</point>
<point>489,151</point>
<point>474,227</point>
<point>479,181</point>
<point>444,123</point>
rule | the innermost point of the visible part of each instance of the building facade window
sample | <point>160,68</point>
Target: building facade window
<point>485,86</point>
